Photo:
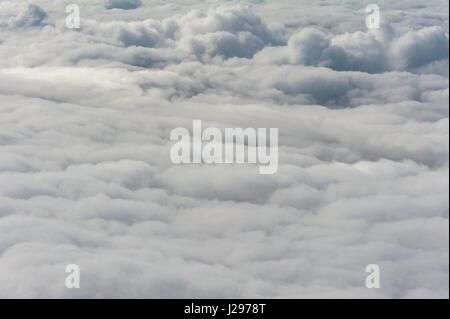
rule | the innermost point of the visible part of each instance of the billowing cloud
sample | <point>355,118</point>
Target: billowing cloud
<point>86,178</point>
<point>122,4</point>
<point>21,15</point>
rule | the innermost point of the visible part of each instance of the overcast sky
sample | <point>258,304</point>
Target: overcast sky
<point>86,178</point>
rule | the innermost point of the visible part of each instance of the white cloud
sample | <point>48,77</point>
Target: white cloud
<point>122,4</point>
<point>21,15</point>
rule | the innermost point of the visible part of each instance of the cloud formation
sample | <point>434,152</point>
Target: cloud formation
<point>122,4</point>
<point>85,174</point>
<point>21,15</point>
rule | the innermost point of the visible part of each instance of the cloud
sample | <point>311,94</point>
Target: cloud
<point>21,15</point>
<point>85,175</point>
<point>419,48</point>
<point>122,4</point>
<point>371,51</point>
<point>228,31</point>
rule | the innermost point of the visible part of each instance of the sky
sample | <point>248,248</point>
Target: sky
<point>86,179</point>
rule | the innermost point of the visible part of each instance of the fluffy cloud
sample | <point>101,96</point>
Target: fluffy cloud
<point>85,175</point>
<point>21,15</point>
<point>122,4</point>
<point>419,48</point>
<point>371,51</point>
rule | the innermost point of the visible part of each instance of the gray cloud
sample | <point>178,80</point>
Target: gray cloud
<point>122,4</point>
<point>21,15</point>
<point>85,175</point>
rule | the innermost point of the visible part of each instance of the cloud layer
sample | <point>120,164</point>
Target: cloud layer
<point>85,175</point>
